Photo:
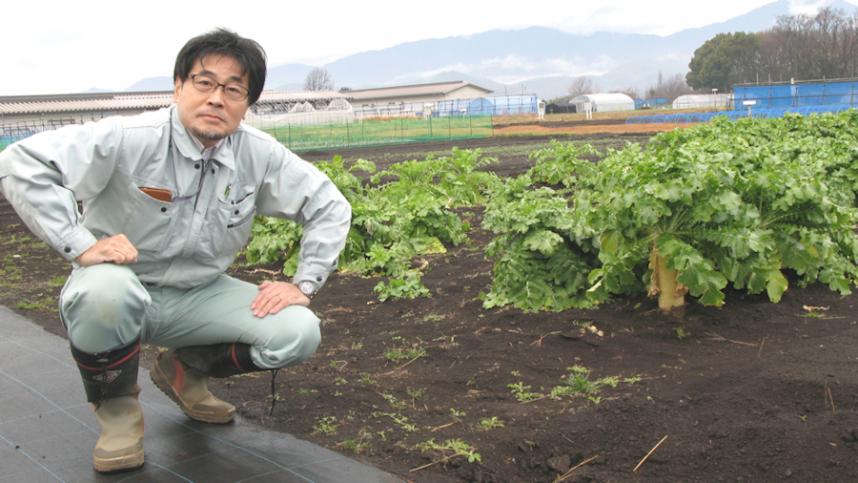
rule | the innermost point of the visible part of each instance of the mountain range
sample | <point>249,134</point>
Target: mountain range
<point>535,60</point>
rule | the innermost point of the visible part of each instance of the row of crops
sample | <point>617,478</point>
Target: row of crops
<point>751,203</point>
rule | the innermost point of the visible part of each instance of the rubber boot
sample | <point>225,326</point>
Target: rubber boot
<point>120,445</point>
<point>183,374</point>
<point>110,382</point>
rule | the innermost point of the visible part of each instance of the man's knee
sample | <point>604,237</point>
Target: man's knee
<point>103,307</point>
<point>294,338</point>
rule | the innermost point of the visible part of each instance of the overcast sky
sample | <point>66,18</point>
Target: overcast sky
<point>57,46</point>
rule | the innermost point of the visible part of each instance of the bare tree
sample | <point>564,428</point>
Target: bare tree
<point>319,79</point>
<point>582,85</point>
<point>631,92</point>
<point>670,88</point>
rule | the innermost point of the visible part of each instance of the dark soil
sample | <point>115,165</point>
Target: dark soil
<point>752,392</point>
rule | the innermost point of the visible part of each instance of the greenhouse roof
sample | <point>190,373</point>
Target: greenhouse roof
<point>603,98</point>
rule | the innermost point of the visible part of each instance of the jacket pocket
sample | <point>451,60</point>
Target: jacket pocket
<point>147,221</point>
<point>229,228</point>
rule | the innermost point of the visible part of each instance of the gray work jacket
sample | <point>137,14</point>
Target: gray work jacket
<point>193,238</point>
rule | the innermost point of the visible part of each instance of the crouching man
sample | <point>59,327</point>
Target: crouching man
<point>168,200</point>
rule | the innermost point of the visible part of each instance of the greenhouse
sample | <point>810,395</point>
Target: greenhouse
<point>703,101</point>
<point>605,102</point>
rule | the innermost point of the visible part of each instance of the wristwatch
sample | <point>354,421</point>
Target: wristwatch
<point>307,288</point>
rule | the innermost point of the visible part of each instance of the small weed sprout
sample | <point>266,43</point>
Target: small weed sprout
<point>577,383</point>
<point>491,423</point>
<point>366,379</point>
<point>681,333</point>
<point>457,413</point>
<point>403,422</point>
<point>10,273</point>
<point>57,281</point>
<point>43,304</point>
<point>415,394</point>
<point>357,445</point>
<point>394,402</point>
<point>450,449</point>
<point>522,393</point>
<point>405,352</point>
<point>433,318</point>
<point>340,381</point>
<point>326,425</point>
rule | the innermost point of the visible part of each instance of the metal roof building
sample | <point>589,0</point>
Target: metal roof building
<point>416,93</point>
<point>59,109</point>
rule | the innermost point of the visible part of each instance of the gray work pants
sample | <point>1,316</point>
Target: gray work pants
<point>105,307</point>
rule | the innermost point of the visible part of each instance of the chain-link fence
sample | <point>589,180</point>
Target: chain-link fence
<point>378,131</point>
<point>325,130</point>
<point>341,133</point>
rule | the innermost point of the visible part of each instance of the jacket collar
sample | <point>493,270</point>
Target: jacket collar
<point>190,147</point>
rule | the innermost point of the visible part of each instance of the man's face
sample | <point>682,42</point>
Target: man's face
<point>212,116</point>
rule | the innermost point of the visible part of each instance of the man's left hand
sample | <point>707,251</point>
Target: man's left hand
<point>275,296</point>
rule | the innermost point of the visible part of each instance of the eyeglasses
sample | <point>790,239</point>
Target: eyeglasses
<point>205,83</point>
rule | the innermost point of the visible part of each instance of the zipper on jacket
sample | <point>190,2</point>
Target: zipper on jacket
<point>200,186</point>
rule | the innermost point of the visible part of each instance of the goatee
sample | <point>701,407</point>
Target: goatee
<point>208,135</point>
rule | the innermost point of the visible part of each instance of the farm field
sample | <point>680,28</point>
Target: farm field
<point>751,391</point>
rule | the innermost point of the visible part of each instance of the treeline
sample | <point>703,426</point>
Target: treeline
<point>823,46</point>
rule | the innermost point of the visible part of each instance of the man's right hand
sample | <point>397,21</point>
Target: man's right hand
<point>113,249</point>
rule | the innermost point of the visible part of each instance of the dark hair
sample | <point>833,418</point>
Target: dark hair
<point>248,53</point>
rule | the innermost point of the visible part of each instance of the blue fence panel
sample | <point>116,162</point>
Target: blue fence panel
<point>796,95</point>
<point>765,112</point>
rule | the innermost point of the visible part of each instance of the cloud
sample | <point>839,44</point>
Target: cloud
<point>513,68</point>
<point>806,7</point>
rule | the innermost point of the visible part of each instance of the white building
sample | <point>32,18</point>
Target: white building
<point>410,99</point>
<point>603,102</point>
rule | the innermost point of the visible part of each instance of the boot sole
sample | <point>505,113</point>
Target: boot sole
<point>162,383</point>
<point>121,463</point>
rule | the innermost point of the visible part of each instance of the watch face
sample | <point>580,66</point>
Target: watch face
<point>307,288</point>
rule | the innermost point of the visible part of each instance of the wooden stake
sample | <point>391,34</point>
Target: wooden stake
<point>650,452</point>
<point>762,343</point>
<point>569,473</point>
<point>830,398</point>
<point>720,338</point>
<point>403,366</point>
<point>442,460</point>
<point>438,428</point>
<point>538,342</point>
